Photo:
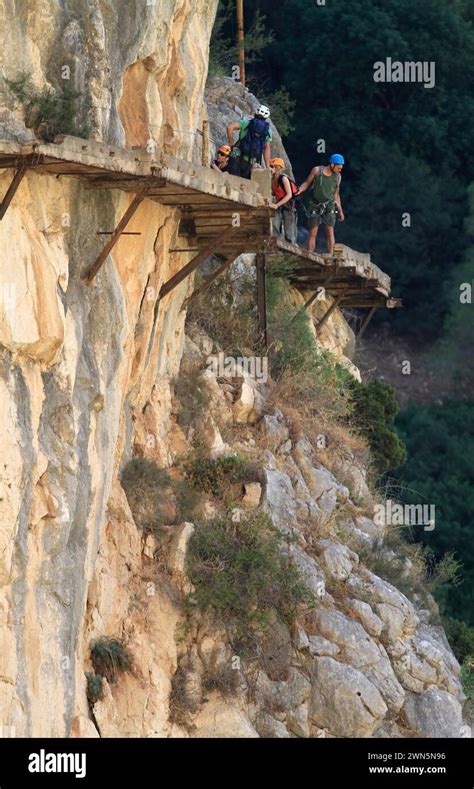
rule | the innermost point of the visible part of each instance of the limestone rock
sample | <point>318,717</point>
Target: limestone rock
<point>343,700</point>
<point>433,714</point>
<point>252,495</point>
<point>244,404</point>
<point>297,721</point>
<point>268,727</point>
<point>179,546</point>
<point>336,559</point>
<point>220,718</point>
<point>371,622</point>
<point>322,646</point>
<point>279,498</point>
<point>274,432</point>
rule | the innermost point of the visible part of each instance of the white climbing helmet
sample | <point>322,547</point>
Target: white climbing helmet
<point>263,112</point>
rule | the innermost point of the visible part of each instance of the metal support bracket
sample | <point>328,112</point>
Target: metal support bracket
<point>115,236</point>
<point>10,193</point>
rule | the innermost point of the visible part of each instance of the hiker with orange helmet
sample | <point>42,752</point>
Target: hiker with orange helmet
<point>221,162</point>
<point>325,206</point>
<point>284,191</point>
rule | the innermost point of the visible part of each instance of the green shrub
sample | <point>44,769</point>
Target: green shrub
<point>51,111</point>
<point>424,576</point>
<point>193,396</point>
<point>214,476</point>
<point>282,107</point>
<point>240,574</point>
<point>375,409</point>
<point>440,471</point>
<point>460,636</point>
<point>110,657</point>
<point>95,687</point>
<point>155,498</point>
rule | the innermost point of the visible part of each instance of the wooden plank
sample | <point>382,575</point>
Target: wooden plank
<point>115,236</point>
<point>11,191</point>
<point>196,261</point>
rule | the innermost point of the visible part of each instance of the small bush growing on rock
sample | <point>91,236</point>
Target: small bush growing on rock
<point>95,687</point>
<point>192,395</point>
<point>226,316</point>
<point>49,112</point>
<point>239,573</point>
<point>155,498</point>
<point>110,657</point>
<point>413,569</point>
<point>214,476</point>
<point>222,678</point>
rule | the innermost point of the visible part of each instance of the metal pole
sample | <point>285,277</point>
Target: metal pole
<point>240,39</point>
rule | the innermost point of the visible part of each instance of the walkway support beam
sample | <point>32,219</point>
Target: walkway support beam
<point>330,311</point>
<point>10,193</point>
<point>366,322</point>
<point>196,261</point>
<point>208,281</point>
<point>115,236</point>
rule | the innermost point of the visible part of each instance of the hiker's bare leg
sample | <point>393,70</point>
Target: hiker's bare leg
<point>330,237</point>
<point>312,238</point>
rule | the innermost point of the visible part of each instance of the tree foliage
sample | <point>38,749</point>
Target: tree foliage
<point>440,471</point>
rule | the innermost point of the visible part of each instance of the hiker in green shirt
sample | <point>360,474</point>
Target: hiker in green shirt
<point>253,145</point>
<point>325,205</point>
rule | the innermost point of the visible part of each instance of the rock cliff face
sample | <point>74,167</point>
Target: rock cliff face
<point>86,380</point>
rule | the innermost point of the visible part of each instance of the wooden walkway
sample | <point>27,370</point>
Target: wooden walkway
<point>219,214</point>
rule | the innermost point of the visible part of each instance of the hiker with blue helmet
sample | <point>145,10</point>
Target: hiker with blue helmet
<point>253,145</point>
<point>325,205</point>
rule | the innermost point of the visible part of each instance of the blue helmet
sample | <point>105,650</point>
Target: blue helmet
<point>336,158</point>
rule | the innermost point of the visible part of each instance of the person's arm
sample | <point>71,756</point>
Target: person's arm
<point>288,193</point>
<point>267,154</point>
<point>215,167</point>
<point>304,186</point>
<point>232,127</point>
<point>337,198</point>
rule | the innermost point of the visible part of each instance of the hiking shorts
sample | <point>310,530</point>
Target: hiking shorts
<point>322,215</point>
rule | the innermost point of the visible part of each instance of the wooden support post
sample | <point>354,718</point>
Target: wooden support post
<point>330,311</point>
<point>208,282</point>
<point>206,147</point>
<point>366,322</point>
<point>115,236</point>
<point>241,39</point>
<point>195,262</point>
<point>320,288</point>
<point>261,300</point>
<point>10,193</point>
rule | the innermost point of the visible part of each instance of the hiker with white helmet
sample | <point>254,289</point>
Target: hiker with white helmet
<point>284,191</point>
<point>253,145</point>
<point>325,205</point>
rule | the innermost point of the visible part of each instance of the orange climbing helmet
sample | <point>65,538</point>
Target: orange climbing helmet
<point>277,163</point>
<point>224,150</point>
